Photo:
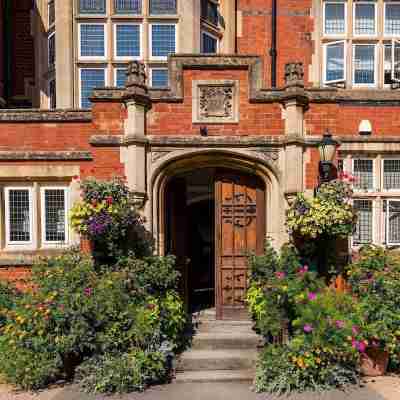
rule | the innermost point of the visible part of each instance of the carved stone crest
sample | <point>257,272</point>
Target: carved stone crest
<point>294,74</point>
<point>215,101</point>
<point>136,74</point>
<point>269,154</point>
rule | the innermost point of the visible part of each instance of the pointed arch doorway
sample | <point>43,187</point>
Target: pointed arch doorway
<point>215,217</point>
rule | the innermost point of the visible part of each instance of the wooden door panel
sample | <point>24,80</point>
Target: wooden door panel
<point>240,202</point>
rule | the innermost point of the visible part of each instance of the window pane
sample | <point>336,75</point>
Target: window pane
<point>394,222</point>
<point>162,40</point>
<point>128,6</point>
<point>54,210</point>
<point>52,50</point>
<point>92,6</point>
<point>334,18</point>
<point>335,62</point>
<point>52,13</point>
<point>363,233</point>
<point>159,78</point>
<point>364,64</point>
<point>19,215</point>
<point>92,40</point>
<point>120,77</point>
<point>392,19</point>
<point>365,19</point>
<point>90,78</point>
<point>162,7</point>
<point>364,174</point>
<point>52,94</point>
<point>391,174</point>
<point>209,11</point>
<point>128,40</point>
<point>388,64</point>
<point>209,44</point>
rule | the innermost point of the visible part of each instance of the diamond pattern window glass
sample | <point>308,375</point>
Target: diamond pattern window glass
<point>19,215</point>
<point>392,19</point>
<point>159,77</point>
<point>54,203</point>
<point>127,40</point>
<point>92,6</point>
<point>90,78</point>
<point>391,174</point>
<point>128,6</point>
<point>363,233</point>
<point>120,77</point>
<point>364,23</point>
<point>335,22</point>
<point>363,171</point>
<point>364,64</point>
<point>92,41</point>
<point>159,7</point>
<point>162,40</point>
<point>209,44</point>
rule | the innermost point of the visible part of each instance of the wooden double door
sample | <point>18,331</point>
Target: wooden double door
<point>238,228</point>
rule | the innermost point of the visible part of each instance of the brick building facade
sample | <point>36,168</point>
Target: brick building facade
<point>225,139</point>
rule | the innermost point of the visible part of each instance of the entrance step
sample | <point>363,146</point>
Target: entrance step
<point>224,326</point>
<point>223,340</point>
<point>241,375</point>
<point>209,360</point>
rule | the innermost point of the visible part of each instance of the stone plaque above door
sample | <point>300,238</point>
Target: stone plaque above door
<point>215,101</point>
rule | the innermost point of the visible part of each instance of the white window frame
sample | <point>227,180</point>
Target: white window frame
<point>388,200</point>
<point>17,244</point>
<point>383,174</point>
<point>163,58</point>
<point>394,42</point>
<point>375,19</point>
<point>46,243</point>
<point>215,37</point>
<point>366,85</point>
<point>336,35</point>
<point>91,58</point>
<point>104,69</point>
<point>386,34</point>
<point>374,177</point>
<point>128,58</point>
<point>116,69</point>
<point>151,76</point>
<point>325,47</point>
<point>48,50</point>
<point>373,201</point>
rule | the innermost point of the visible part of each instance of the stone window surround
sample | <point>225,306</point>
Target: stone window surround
<point>378,195</point>
<point>379,40</point>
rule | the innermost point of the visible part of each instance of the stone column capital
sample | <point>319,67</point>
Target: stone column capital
<point>136,90</point>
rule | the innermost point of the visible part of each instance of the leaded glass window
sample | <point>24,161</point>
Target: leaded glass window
<point>364,19</point>
<point>209,43</point>
<point>392,19</point>
<point>91,78</point>
<point>19,215</point>
<point>363,232</point>
<point>393,222</point>
<point>52,94</point>
<point>159,77</point>
<point>92,41</point>
<point>128,6</point>
<point>92,6</point>
<point>162,40</point>
<point>120,77</point>
<point>391,174</point>
<point>209,11</point>
<point>335,18</point>
<point>127,40</point>
<point>52,12</point>
<point>52,49</point>
<point>54,215</point>
<point>364,64</point>
<point>363,171</point>
<point>159,7</point>
<point>335,68</point>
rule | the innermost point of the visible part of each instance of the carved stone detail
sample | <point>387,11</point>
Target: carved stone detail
<point>294,74</point>
<point>156,155</point>
<point>215,101</point>
<point>269,154</point>
<point>136,74</point>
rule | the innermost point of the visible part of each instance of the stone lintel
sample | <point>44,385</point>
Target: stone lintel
<point>106,140</point>
<point>37,115</point>
<point>45,156</point>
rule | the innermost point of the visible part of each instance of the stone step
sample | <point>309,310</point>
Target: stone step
<point>208,360</point>
<point>226,340</point>
<point>224,325</point>
<point>240,375</point>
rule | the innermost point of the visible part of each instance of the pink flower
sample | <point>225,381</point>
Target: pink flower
<point>280,274</point>
<point>312,296</point>
<point>355,330</point>
<point>303,269</point>
<point>88,291</point>
<point>360,346</point>
<point>308,328</point>
<point>109,200</point>
<point>339,324</point>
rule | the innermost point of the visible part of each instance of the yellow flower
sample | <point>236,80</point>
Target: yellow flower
<point>318,360</point>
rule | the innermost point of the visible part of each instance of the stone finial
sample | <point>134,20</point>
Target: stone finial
<point>294,74</point>
<point>135,87</point>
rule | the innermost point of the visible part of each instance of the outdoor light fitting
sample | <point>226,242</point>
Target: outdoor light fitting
<point>327,150</point>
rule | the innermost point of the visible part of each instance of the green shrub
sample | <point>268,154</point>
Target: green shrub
<point>8,296</point>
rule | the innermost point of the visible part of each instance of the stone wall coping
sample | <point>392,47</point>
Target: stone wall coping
<point>37,115</point>
<point>45,156</point>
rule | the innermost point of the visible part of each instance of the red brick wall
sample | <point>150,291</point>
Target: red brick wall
<point>294,29</point>
<point>176,118</point>
<point>1,49</point>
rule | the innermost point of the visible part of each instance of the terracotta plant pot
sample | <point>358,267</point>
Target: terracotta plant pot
<point>374,362</point>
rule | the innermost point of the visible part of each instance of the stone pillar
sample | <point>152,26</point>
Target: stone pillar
<point>228,13</point>
<point>294,102</point>
<point>138,102</point>
<point>64,54</point>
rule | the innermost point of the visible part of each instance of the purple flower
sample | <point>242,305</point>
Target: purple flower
<point>359,345</point>
<point>280,275</point>
<point>312,296</point>
<point>355,330</point>
<point>88,291</point>
<point>308,328</point>
<point>339,324</point>
<point>99,223</point>
<point>303,269</point>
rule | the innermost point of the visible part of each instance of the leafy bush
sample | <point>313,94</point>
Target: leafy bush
<point>78,312</point>
<point>8,295</point>
<point>329,213</point>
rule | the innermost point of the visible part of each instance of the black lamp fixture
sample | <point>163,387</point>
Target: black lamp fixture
<point>327,150</point>
<point>203,131</point>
